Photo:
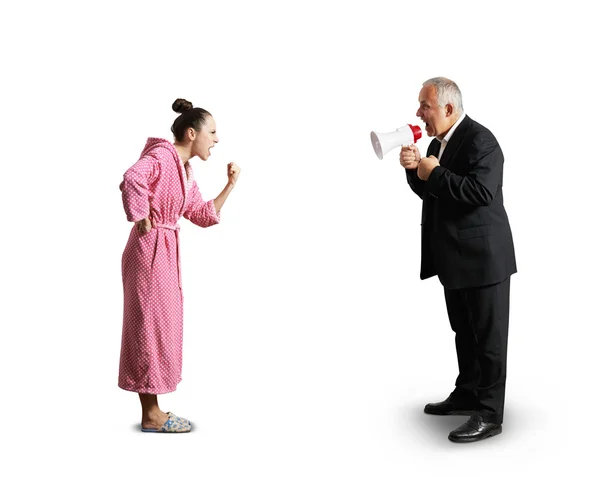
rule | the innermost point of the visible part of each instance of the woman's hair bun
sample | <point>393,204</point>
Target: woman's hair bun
<point>181,106</point>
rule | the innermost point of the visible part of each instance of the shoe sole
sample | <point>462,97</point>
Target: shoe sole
<point>466,413</point>
<point>475,439</point>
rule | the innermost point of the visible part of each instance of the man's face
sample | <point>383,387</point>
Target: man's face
<point>438,120</point>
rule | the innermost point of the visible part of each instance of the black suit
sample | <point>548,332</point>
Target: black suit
<point>467,242</point>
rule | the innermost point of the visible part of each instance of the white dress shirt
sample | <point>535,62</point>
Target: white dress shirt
<point>449,134</point>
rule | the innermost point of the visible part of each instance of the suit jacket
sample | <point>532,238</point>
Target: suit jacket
<point>465,235</point>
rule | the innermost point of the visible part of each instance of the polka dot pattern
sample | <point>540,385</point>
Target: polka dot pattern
<point>161,186</point>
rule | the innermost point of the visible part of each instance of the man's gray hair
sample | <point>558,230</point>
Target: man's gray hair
<point>447,92</point>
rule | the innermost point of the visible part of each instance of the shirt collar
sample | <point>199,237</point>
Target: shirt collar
<point>453,129</point>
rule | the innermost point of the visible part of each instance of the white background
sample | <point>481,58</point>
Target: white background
<point>310,345</point>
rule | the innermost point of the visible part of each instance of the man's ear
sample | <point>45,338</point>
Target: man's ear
<point>449,110</point>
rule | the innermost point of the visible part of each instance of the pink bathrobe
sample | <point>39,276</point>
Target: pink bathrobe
<point>157,185</point>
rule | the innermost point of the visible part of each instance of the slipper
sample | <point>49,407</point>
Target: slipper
<point>173,425</point>
<point>172,415</point>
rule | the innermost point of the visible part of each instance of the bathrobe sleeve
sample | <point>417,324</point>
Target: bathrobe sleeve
<point>135,188</point>
<point>200,212</point>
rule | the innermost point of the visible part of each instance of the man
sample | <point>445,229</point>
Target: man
<point>467,242</point>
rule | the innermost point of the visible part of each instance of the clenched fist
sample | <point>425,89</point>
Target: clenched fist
<point>233,172</point>
<point>426,166</point>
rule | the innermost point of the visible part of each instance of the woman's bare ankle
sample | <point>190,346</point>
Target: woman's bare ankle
<point>154,419</point>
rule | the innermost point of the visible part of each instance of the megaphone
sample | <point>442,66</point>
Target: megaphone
<point>384,142</point>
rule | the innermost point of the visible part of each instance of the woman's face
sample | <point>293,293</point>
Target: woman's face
<point>205,139</point>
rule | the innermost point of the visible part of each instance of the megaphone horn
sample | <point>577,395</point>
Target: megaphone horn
<point>384,142</point>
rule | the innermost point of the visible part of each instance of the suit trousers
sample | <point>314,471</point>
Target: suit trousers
<point>479,318</point>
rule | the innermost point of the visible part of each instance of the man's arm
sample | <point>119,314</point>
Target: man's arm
<point>480,184</point>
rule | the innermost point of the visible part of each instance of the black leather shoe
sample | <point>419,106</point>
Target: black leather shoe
<point>447,408</point>
<point>474,429</point>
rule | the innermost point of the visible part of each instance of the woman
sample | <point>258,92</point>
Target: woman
<point>157,191</point>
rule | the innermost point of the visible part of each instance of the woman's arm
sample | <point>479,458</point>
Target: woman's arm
<point>233,172</point>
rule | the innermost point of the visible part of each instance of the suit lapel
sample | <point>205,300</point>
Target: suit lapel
<point>455,142</point>
<point>434,148</point>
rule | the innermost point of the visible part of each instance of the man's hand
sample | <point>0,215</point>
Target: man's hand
<point>426,166</point>
<point>409,157</point>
